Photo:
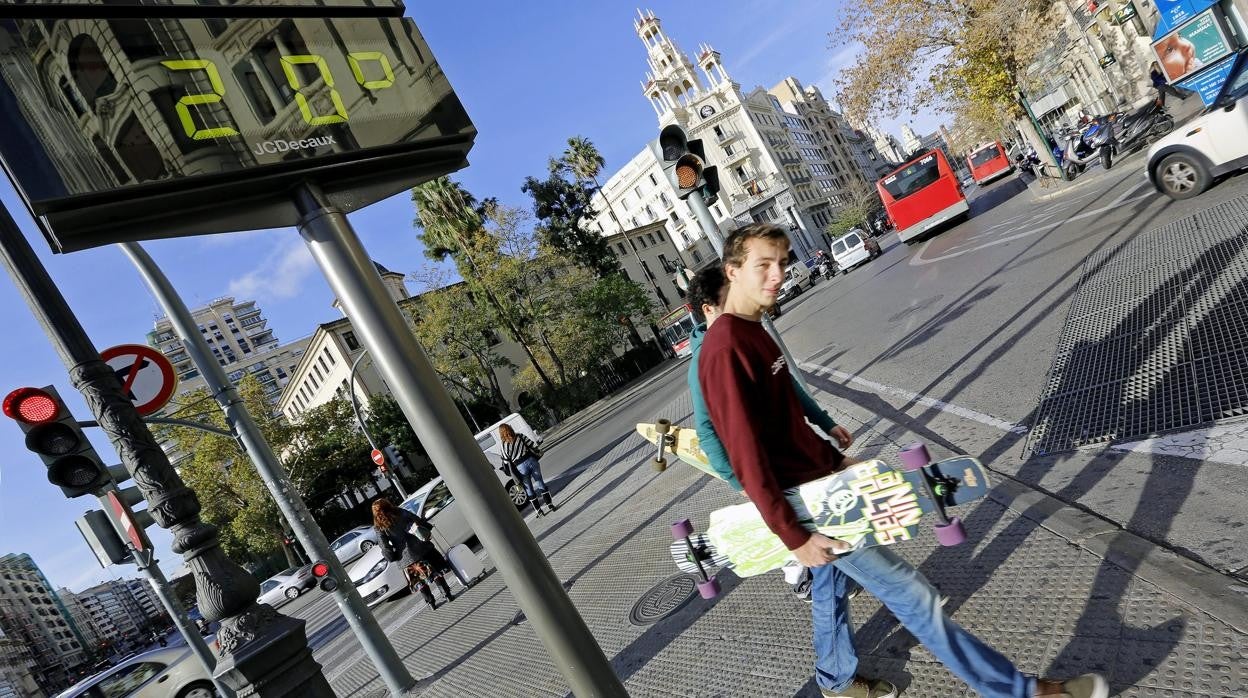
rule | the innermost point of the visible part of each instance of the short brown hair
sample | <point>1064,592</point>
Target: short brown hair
<point>735,246</point>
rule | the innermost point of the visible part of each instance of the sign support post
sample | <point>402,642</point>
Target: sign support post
<point>433,416</point>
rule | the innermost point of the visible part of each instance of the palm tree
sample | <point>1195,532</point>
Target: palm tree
<point>452,226</point>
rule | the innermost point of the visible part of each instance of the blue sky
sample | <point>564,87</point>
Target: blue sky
<point>530,75</point>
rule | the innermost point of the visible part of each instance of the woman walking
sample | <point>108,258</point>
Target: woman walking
<point>419,559</point>
<point>520,458</point>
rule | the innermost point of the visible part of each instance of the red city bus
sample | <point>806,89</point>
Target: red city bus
<point>676,328</point>
<point>989,162</point>
<point>922,194</point>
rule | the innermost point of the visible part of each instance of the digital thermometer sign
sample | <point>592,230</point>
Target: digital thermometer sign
<point>123,129</point>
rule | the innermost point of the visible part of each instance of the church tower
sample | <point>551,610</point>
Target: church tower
<point>672,81</point>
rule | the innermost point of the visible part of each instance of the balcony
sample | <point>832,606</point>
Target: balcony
<point>726,135</point>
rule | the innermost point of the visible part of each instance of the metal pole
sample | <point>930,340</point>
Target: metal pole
<point>717,241</point>
<point>359,419</point>
<point>372,639</point>
<point>160,585</point>
<point>264,653</point>
<point>461,462</point>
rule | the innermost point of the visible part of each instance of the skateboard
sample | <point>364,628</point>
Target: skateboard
<point>868,504</point>
<point>681,442</point>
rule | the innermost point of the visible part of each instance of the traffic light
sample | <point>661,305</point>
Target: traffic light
<point>394,457</point>
<point>321,572</point>
<point>53,433</point>
<point>684,164</point>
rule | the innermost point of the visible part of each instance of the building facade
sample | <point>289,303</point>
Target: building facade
<point>650,256</point>
<point>32,615</point>
<point>116,615</point>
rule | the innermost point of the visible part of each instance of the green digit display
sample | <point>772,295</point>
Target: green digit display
<point>184,105</point>
<point>288,66</point>
<point>355,58</point>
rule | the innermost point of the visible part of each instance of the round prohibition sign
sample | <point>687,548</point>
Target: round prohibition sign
<point>146,375</point>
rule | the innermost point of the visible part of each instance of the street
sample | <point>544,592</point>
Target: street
<point>950,341</point>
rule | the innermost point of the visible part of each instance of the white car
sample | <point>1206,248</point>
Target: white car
<point>1185,162</point>
<point>173,672</point>
<point>376,578</point>
<point>795,276</point>
<point>354,543</point>
<point>854,248</point>
<point>286,586</point>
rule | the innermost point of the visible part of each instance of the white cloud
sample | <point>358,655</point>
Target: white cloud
<point>280,276</point>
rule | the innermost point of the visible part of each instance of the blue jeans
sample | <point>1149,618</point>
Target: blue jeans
<point>916,603</point>
<point>530,472</point>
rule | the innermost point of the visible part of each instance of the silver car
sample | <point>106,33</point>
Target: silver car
<point>171,672</point>
<point>286,586</point>
<point>354,543</point>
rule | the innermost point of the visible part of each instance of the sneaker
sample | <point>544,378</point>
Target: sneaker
<point>1086,686</point>
<point>862,688</point>
<point>802,590</point>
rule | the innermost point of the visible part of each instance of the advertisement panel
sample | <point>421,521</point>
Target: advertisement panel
<point>1198,43</point>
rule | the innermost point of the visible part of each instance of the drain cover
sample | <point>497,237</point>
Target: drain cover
<point>664,599</point>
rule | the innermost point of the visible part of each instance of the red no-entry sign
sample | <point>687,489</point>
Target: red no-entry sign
<point>378,457</point>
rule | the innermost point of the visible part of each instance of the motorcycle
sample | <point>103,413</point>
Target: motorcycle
<point>1077,153</point>
<point>826,267</point>
<point>1129,131</point>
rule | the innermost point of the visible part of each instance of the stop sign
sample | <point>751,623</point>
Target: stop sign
<point>378,457</point>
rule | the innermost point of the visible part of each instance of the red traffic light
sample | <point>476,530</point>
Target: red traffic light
<point>320,569</point>
<point>31,405</point>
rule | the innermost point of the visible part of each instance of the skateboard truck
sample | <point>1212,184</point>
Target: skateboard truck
<point>664,428</point>
<point>949,531</point>
<point>708,588</point>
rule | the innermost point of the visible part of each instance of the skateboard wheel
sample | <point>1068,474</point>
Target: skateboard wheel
<point>952,533</point>
<point>662,426</point>
<point>709,589</point>
<point>659,465</point>
<point>682,529</point>
<point>915,457</point>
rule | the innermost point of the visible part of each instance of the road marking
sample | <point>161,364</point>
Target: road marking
<point>918,260</point>
<point>918,398</point>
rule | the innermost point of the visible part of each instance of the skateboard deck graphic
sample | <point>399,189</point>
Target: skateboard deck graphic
<point>868,504</point>
<point>680,441</point>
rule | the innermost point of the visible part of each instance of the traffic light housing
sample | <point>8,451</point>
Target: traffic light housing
<point>685,165</point>
<point>394,457</point>
<point>53,433</point>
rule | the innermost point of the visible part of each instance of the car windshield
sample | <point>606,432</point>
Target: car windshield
<point>438,499</point>
<point>415,505</point>
<point>853,240</point>
<point>1237,85</point>
<point>982,157</point>
<point>788,273</point>
<point>838,247</point>
<point>912,178</point>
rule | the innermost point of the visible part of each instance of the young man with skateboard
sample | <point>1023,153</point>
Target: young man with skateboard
<point>758,415</point>
<point>707,290</point>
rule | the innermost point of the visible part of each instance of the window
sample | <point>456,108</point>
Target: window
<point>667,265</point>
<point>653,181</point>
<point>349,339</point>
<point>127,681</point>
<point>659,234</point>
<point>329,356</point>
<point>621,248</point>
<point>650,238</point>
<point>665,199</point>
<point>675,218</point>
<point>637,191</point>
<point>439,498</point>
<point>324,366</point>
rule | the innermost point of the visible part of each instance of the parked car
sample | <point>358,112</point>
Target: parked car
<point>172,672</point>
<point>376,578</point>
<point>354,543</point>
<point>487,439</point>
<point>1185,162</point>
<point>854,248</point>
<point>286,585</point>
<point>795,276</point>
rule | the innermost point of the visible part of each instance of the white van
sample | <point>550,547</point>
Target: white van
<point>854,248</point>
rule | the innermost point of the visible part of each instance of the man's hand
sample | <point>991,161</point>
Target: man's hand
<point>819,550</point>
<point>843,438</point>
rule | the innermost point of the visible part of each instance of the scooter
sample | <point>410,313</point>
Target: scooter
<point>1077,153</point>
<point>826,268</point>
<point>1136,129</point>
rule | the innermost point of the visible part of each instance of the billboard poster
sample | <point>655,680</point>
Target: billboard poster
<point>1197,44</point>
<point>1175,12</point>
<point>1209,82</point>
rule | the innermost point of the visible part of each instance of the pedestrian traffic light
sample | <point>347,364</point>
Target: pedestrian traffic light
<point>321,572</point>
<point>53,433</point>
<point>685,165</point>
<point>395,457</point>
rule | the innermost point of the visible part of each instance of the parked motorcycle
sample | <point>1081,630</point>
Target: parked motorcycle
<point>1076,153</point>
<point>1129,131</point>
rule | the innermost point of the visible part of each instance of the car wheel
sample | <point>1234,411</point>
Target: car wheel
<point>516,492</point>
<point>292,593</point>
<point>366,546</point>
<point>201,689</point>
<point>1182,176</point>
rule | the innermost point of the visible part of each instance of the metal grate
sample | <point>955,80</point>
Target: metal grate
<point>1156,339</point>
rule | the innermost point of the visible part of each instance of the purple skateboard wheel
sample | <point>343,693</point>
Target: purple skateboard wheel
<point>914,457</point>
<point>952,533</point>
<point>682,529</point>
<point>709,589</point>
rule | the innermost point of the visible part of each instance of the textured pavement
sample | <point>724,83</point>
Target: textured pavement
<point>1050,605</point>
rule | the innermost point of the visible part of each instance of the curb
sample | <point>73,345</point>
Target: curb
<point>1067,188</point>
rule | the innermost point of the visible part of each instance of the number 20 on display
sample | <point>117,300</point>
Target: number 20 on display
<point>292,78</point>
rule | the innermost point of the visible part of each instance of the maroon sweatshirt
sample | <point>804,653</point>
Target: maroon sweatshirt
<point>756,412</point>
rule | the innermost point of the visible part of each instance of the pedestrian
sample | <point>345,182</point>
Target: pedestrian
<point>418,558</point>
<point>749,394</point>
<point>522,460</point>
<point>1163,86</point>
<point>707,291</point>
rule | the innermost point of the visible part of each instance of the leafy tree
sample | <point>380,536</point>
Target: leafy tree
<point>856,211</point>
<point>327,454</point>
<point>388,425</point>
<point>942,55</point>
<point>452,226</point>
<point>564,206</point>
